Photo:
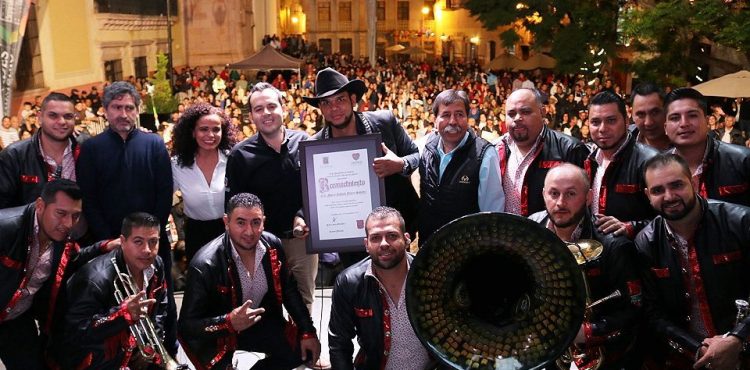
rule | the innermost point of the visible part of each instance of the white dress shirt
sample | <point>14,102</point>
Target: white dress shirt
<point>203,201</point>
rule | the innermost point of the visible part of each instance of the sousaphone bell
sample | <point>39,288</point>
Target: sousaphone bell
<point>495,291</point>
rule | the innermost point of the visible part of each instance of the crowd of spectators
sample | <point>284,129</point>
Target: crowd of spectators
<point>407,88</point>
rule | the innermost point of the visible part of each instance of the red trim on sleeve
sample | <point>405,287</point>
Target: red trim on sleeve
<point>309,336</point>
<point>726,257</point>
<point>661,273</point>
<point>629,230</point>
<point>525,200</point>
<point>227,324</point>
<point>29,179</point>
<point>626,188</point>
<point>11,263</point>
<point>363,312</point>
<point>549,164</point>
<point>728,190</point>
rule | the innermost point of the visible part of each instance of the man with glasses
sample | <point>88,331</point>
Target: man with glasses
<point>49,154</point>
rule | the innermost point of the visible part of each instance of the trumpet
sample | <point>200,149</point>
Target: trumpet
<point>144,332</point>
<point>585,252</point>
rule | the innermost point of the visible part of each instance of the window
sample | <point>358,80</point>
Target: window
<point>138,7</point>
<point>324,11</point>
<point>325,46</point>
<point>140,67</point>
<point>453,4</point>
<point>345,46</point>
<point>403,11</point>
<point>381,11</point>
<point>113,70</point>
<point>345,11</point>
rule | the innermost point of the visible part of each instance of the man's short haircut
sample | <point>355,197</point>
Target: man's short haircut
<point>55,96</point>
<point>138,219</point>
<point>118,89</point>
<point>449,97</point>
<point>244,200</point>
<point>645,89</point>
<point>608,97</point>
<point>70,188</point>
<point>665,159</point>
<point>260,86</point>
<point>687,93</point>
<point>538,96</point>
<point>570,166</point>
<point>384,212</point>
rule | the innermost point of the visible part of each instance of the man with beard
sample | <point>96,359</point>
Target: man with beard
<point>459,172</point>
<point>611,325</point>
<point>267,165</point>
<point>649,116</point>
<point>50,154</point>
<point>616,168</point>
<point>529,150</point>
<point>125,170</point>
<point>237,289</point>
<point>336,97</point>
<point>369,302</point>
<point>694,262</point>
<point>721,171</point>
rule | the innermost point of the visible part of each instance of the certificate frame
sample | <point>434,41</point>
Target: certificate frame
<point>312,199</point>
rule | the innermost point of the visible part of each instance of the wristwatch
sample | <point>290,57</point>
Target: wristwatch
<point>405,168</point>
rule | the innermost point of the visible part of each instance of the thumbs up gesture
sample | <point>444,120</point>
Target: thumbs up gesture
<point>388,164</point>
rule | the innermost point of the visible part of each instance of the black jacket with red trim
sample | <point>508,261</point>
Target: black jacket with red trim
<point>213,290</point>
<point>612,324</point>
<point>97,328</point>
<point>621,194</point>
<point>554,148</point>
<point>720,252</point>
<point>23,171</point>
<point>726,173</point>
<point>16,234</point>
<point>357,309</point>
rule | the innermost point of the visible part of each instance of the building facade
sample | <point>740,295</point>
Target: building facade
<point>430,28</point>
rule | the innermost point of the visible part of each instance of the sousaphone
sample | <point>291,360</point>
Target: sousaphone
<point>495,291</point>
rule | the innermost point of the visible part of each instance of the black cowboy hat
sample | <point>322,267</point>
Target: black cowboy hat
<point>330,82</point>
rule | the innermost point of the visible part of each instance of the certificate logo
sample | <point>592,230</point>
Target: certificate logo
<point>325,160</point>
<point>360,224</point>
<point>323,185</point>
<point>355,156</point>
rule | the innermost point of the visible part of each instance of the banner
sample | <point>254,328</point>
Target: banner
<point>13,17</point>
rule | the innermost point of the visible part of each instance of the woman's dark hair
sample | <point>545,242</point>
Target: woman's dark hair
<point>184,145</point>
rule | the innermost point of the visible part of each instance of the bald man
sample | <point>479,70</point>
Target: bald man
<point>610,327</point>
<point>529,150</point>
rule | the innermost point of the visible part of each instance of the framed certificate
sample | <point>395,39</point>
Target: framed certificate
<point>339,189</point>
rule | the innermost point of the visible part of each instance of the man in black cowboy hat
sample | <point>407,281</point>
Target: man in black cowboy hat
<point>336,97</point>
